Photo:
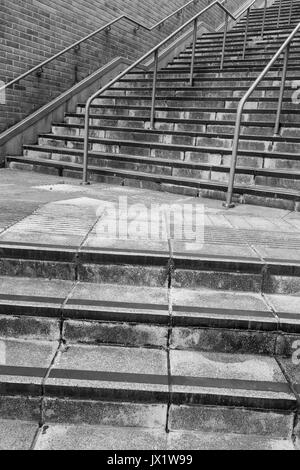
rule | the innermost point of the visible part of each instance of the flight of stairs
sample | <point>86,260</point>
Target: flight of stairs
<point>137,349</point>
<point>143,345</point>
<point>189,151</point>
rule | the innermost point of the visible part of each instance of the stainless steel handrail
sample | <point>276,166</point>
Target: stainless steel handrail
<point>248,8</point>
<point>106,27</point>
<point>235,147</point>
<point>155,50</point>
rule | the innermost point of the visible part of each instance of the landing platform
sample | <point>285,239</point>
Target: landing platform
<point>41,210</point>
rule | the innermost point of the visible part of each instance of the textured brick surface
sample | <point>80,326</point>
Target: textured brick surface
<point>33,31</point>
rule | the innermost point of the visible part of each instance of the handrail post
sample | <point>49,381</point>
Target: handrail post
<point>155,69</point>
<point>291,12</point>
<point>264,19</point>
<point>282,88</point>
<point>86,144</point>
<point>224,40</point>
<point>235,148</point>
<point>246,33</point>
<point>194,51</point>
<point>279,13</point>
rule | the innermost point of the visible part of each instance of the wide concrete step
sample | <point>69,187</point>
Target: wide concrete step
<point>260,57</point>
<point>172,142</point>
<point>289,135</point>
<point>141,376</point>
<point>202,319</point>
<point>184,103</point>
<point>185,112</point>
<point>147,390</point>
<point>263,194</point>
<point>201,92</point>
<point>197,125</point>
<point>282,172</point>
<point>233,65</point>
<point>273,79</point>
<point>66,436</point>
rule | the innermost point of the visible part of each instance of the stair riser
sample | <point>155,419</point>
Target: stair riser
<point>249,422</point>
<point>181,127</point>
<point>132,180</point>
<point>139,146</point>
<point>191,94</point>
<point>213,84</point>
<point>201,174</point>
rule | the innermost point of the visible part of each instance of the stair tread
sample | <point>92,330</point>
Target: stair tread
<point>83,437</point>
<point>166,132</point>
<point>287,155</point>
<point>165,178</point>
<point>241,379</point>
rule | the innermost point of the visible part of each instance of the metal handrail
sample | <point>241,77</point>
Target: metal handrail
<point>235,146</point>
<point>76,45</point>
<point>155,51</point>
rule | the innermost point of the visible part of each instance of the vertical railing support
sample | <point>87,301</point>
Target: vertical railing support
<point>291,12</point>
<point>85,179</point>
<point>155,69</point>
<point>224,40</point>
<point>246,33</point>
<point>264,19</point>
<point>282,88</point>
<point>279,13</point>
<point>194,52</point>
<point>235,148</point>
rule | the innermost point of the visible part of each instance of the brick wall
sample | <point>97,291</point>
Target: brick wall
<point>34,30</point>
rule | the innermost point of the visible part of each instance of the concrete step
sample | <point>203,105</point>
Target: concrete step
<point>279,197</point>
<point>184,112</point>
<point>87,437</point>
<point>197,125</point>
<point>282,172</point>
<point>191,319</point>
<point>142,377</point>
<point>184,135</point>
<point>175,143</point>
<point>202,319</point>
<point>198,92</point>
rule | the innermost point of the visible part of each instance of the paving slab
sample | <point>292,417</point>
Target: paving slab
<point>228,420</point>
<point>17,435</point>
<point>105,413</point>
<point>236,379</point>
<point>204,307</point>
<point>106,372</point>
<point>66,437</point>
<point>95,241</point>
<point>118,302</point>
<point>286,255</point>
<point>219,441</point>
<point>220,251</point>
<point>54,223</point>
<point>291,367</point>
<point>31,308</point>
<point>23,365</point>
<point>287,308</point>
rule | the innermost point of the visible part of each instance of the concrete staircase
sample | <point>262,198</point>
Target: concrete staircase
<point>189,151</point>
<point>159,345</point>
<point>179,351</point>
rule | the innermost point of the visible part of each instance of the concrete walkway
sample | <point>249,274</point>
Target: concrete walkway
<point>46,210</point>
